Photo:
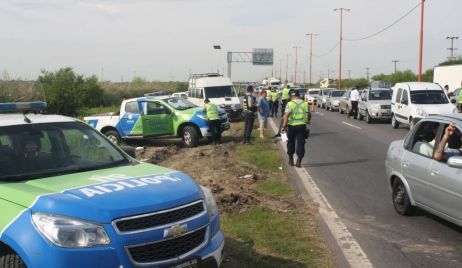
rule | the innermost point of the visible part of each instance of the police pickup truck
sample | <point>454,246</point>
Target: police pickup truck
<point>71,198</point>
<point>156,116</point>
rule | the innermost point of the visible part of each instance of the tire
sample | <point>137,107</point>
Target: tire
<point>347,112</point>
<point>11,260</point>
<point>394,122</point>
<point>190,136</point>
<point>360,116</point>
<point>332,110</point>
<point>368,118</point>
<point>340,110</point>
<point>327,107</point>
<point>400,198</point>
<point>113,136</point>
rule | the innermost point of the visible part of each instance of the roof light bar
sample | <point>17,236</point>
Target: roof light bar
<point>35,106</point>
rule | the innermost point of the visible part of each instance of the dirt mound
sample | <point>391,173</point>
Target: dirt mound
<point>156,155</point>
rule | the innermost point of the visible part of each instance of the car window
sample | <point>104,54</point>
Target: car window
<point>155,108</point>
<point>405,98</point>
<point>398,95</point>
<point>428,97</point>
<point>380,95</point>
<point>453,146</point>
<point>132,107</point>
<point>424,137</point>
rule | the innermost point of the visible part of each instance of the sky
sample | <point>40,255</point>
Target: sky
<point>167,40</point>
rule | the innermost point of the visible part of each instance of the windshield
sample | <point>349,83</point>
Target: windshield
<point>380,95</point>
<point>275,83</point>
<point>313,92</point>
<point>326,91</point>
<point>428,97</point>
<point>42,150</point>
<point>302,90</point>
<point>179,103</point>
<point>337,93</point>
<point>219,92</point>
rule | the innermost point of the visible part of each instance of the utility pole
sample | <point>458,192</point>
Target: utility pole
<point>349,74</point>
<point>395,62</point>
<point>367,74</point>
<point>311,50</point>
<point>287,66</point>
<point>280,69</point>
<point>419,78</point>
<point>452,46</point>
<point>341,38</point>
<point>296,62</point>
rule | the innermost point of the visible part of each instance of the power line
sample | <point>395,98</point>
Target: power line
<point>328,52</point>
<point>386,28</point>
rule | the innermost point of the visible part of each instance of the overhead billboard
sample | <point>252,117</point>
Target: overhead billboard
<point>262,56</point>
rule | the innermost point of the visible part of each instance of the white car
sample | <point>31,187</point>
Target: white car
<point>413,101</point>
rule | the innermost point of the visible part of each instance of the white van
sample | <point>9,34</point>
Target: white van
<point>218,89</point>
<point>412,101</point>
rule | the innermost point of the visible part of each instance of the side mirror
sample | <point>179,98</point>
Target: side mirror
<point>129,150</point>
<point>453,101</point>
<point>455,162</point>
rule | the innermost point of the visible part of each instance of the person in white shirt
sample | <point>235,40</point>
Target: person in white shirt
<point>354,98</point>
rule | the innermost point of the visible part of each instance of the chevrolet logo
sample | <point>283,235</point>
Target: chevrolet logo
<point>175,231</point>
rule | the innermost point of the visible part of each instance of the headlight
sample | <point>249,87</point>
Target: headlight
<point>420,112</point>
<point>202,116</point>
<point>212,207</point>
<point>68,232</point>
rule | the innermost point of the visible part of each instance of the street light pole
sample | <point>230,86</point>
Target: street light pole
<point>341,38</point>
<point>395,62</point>
<point>452,45</point>
<point>311,50</point>
<point>287,66</point>
<point>296,59</point>
<point>421,40</point>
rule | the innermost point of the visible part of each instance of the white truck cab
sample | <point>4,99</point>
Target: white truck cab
<point>412,101</point>
<point>218,89</point>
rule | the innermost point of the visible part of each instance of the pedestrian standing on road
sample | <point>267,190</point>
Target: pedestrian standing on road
<point>263,113</point>
<point>446,90</point>
<point>296,118</point>
<point>250,107</point>
<point>354,98</point>
<point>459,98</point>
<point>285,98</point>
<point>213,117</point>
<point>275,99</point>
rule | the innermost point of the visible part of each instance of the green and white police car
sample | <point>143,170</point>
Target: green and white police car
<point>156,116</point>
<point>71,198</point>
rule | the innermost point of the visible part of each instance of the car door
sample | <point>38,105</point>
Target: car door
<point>416,161</point>
<point>403,107</point>
<point>362,106</point>
<point>445,187</point>
<point>158,119</point>
<point>130,120</point>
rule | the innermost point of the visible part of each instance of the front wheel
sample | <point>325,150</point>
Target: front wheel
<point>360,116</point>
<point>11,260</point>
<point>368,118</point>
<point>401,200</point>
<point>340,110</point>
<point>190,136</point>
<point>113,136</point>
<point>394,122</point>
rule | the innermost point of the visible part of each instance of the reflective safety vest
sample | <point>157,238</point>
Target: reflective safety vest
<point>269,96</point>
<point>285,93</point>
<point>212,111</point>
<point>459,96</point>
<point>274,95</point>
<point>298,110</point>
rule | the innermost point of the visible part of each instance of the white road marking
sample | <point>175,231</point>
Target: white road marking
<point>351,125</point>
<point>350,248</point>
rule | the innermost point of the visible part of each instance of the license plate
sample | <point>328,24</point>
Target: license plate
<point>189,264</point>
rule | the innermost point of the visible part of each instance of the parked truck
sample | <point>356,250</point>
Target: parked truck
<point>147,117</point>
<point>450,75</point>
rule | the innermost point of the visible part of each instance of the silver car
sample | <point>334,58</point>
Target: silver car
<point>375,104</point>
<point>333,99</point>
<point>414,176</point>
<point>322,96</point>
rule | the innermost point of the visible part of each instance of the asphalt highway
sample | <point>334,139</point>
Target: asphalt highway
<point>346,159</point>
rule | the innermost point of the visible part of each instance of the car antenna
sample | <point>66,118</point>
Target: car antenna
<point>27,120</point>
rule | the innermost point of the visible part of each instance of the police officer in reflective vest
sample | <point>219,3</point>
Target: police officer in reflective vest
<point>297,116</point>
<point>275,98</point>
<point>285,98</point>
<point>213,118</point>
<point>459,99</point>
<point>250,107</point>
